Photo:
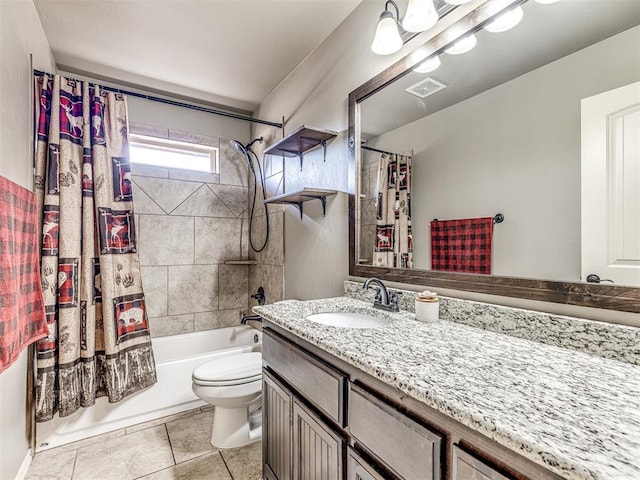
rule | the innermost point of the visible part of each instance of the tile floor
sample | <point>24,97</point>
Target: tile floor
<point>170,448</point>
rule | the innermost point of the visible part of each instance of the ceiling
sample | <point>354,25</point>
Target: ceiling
<point>232,51</point>
<point>546,33</point>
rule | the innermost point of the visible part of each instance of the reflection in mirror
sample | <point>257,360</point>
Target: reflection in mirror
<point>514,126</point>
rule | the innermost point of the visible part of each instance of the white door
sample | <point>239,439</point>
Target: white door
<point>611,185</point>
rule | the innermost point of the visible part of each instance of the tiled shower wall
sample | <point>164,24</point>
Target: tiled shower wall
<point>269,272</point>
<point>189,224</point>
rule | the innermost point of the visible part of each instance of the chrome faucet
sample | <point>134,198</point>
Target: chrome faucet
<point>385,299</point>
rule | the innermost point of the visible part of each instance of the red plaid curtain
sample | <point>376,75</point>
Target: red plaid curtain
<point>393,245</point>
<point>98,342</point>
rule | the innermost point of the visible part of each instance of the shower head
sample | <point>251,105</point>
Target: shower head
<point>239,147</point>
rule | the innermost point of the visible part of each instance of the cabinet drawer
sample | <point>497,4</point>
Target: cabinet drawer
<point>468,467</point>
<point>318,383</point>
<point>406,447</point>
<point>359,469</point>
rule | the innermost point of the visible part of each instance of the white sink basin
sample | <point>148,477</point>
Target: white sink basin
<point>349,320</point>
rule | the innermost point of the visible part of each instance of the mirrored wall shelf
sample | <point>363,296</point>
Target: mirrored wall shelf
<point>240,262</point>
<point>298,197</point>
<point>300,141</point>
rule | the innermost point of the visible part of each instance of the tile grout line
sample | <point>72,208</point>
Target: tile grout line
<point>225,464</point>
<point>75,461</point>
<point>170,445</point>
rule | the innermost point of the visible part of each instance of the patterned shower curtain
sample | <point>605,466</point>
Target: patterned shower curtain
<point>393,245</point>
<point>98,342</point>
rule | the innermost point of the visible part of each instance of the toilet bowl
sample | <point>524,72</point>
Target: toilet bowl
<point>233,385</point>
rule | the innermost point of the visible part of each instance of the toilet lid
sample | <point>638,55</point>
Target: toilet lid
<point>238,368</point>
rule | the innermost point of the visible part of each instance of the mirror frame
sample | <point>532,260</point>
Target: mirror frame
<point>610,297</point>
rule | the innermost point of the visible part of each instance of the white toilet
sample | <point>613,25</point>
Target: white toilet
<point>233,385</point>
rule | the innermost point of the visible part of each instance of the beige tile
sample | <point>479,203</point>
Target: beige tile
<point>235,198</point>
<point>128,457</point>
<point>142,203</point>
<point>245,463</point>
<point>54,464</point>
<point>229,318</point>
<point>165,240</point>
<point>191,437</point>
<point>207,408</point>
<point>273,254</point>
<point>234,282</point>
<point>139,170</point>
<point>206,321</point>
<point>193,176</point>
<point>217,240</point>
<point>204,203</point>
<point>193,289</point>
<point>148,130</point>
<point>168,194</point>
<point>183,136</point>
<point>271,278</point>
<point>154,280</point>
<point>234,169</point>
<point>206,467</point>
<point>171,325</point>
<point>90,441</point>
<point>160,421</point>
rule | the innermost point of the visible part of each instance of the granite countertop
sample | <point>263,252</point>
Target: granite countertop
<point>576,414</point>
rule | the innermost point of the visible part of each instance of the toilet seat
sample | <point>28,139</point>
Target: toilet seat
<point>230,370</point>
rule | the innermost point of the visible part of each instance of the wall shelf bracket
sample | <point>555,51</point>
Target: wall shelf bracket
<point>298,198</point>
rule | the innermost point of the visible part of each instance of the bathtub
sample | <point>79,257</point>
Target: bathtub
<point>176,357</point>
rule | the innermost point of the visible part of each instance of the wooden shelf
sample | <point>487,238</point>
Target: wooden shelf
<point>240,262</point>
<point>298,197</point>
<point>300,141</point>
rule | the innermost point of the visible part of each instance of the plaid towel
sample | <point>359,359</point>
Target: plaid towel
<point>22,318</point>
<point>462,245</point>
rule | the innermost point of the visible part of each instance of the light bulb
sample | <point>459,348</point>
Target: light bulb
<point>387,39</point>
<point>463,45</point>
<point>428,65</point>
<point>457,2</point>
<point>421,15</point>
<point>506,20</point>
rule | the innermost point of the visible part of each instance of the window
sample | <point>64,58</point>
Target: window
<point>161,152</point>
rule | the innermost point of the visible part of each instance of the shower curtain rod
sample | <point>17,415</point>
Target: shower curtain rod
<point>237,116</point>
<point>364,147</point>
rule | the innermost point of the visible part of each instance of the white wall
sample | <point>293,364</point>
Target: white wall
<point>20,34</point>
<point>514,149</point>
<point>316,249</point>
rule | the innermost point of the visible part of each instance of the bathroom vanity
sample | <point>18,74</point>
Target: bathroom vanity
<point>438,401</point>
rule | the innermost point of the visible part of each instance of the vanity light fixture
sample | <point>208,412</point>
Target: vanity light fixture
<point>387,39</point>
<point>429,65</point>
<point>421,15</point>
<point>457,2</point>
<point>463,45</point>
<point>506,21</point>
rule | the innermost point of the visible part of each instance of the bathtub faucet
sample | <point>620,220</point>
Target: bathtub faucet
<point>250,318</point>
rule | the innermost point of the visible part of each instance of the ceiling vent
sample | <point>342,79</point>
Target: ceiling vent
<point>425,87</point>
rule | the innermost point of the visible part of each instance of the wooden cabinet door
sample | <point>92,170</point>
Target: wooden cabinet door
<point>359,469</point>
<point>276,429</point>
<point>467,467</point>
<point>317,450</point>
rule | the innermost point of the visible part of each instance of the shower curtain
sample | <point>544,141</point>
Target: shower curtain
<point>393,246</point>
<point>98,342</point>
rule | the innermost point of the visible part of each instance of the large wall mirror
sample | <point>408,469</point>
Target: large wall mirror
<point>540,124</point>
